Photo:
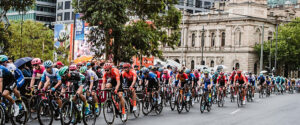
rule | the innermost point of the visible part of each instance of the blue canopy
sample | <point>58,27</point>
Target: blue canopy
<point>21,61</point>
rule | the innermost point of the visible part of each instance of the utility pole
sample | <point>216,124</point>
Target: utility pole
<point>275,64</point>
<point>202,45</point>
<point>182,39</point>
<point>270,58</point>
<point>262,49</point>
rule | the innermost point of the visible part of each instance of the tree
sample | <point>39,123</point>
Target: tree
<point>36,41</point>
<point>18,5</point>
<point>288,47</point>
<point>132,27</point>
<point>3,39</point>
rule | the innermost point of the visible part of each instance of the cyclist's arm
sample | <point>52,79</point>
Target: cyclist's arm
<point>103,82</point>
<point>32,81</point>
<point>118,80</point>
<point>1,84</point>
<point>134,79</point>
<point>47,83</point>
<point>43,80</point>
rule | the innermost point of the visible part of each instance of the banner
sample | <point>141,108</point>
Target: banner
<point>62,36</point>
<point>146,61</point>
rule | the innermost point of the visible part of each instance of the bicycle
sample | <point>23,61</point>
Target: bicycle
<point>184,100</point>
<point>240,95</point>
<point>262,91</point>
<point>221,97</point>
<point>150,102</point>
<point>112,106</point>
<point>173,99</point>
<point>205,103</point>
<point>129,100</point>
<point>249,94</point>
<point>232,91</point>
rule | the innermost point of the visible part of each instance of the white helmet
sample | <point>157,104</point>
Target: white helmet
<point>11,67</point>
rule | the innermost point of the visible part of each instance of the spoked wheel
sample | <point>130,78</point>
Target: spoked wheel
<point>32,107</point>
<point>67,113</point>
<point>138,108</point>
<point>127,108</point>
<point>89,119</point>
<point>45,113</point>
<point>222,100</point>
<point>179,103</point>
<point>172,101</point>
<point>158,108</point>
<point>188,105</point>
<point>202,104</point>
<point>146,106</point>
<point>238,99</point>
<point>22,118</point>
<point>109,112</point>
<point>2,116</point>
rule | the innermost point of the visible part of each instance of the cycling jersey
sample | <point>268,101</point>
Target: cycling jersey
<point>231,78</point>
<point>8,79</point>
<point>112,77</point>
<point>166,78</point>
<point>191,77</point>
<point>129,77</point>
<point>197,77</point>
<point>261,79</point>
<point>183,78</point>
<point>221,80</point>
<point>215,77</point>
<point>206,81</point>
<point>268,81</point>
<point>251,80</point>
<point>152,80</point>
<point>40,71</point>
<point>240,79</point>
<point>75,78</point>
<point>54,76</point>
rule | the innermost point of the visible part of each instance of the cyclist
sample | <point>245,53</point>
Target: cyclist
<point>130,77</point>
<point>206,81</point>
<point>59,64</point>
<point>7,84</point>
<point>268,83</point>
<point>251,81</point>
<point>278,83</point>
<point>150,80</point>
<point>239,79</point>
<point>111,79</point>
<point>221,83</point>
<point>70,76</point>
<point>79,65</point>
<point>38,70</point>
<point>261,81</point>
<point>191,83</point>
<point>51,79</point>
<point>19,79</point>
<point>91,84</point>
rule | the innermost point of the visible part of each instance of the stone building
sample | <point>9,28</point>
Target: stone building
<point>229,36</point>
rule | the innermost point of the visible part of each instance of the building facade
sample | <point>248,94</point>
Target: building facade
<point>64,12</point>
<point>195,6</point>
<point>227,38</point>
<point>43,11</point>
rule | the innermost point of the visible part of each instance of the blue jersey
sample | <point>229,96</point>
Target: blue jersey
<point>151,77</point>
<point>20,78</point>
<point>7,76</point>
<point>54,76</point>
<point>191,77</point>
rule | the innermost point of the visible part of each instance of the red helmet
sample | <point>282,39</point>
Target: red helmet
<point>72,67</point>
<point>107,66</point>
<point>165,71</point>
<point>221,73</point>
<point>36,61</point>
<point>126,65</point>
<point>79,64</point>
<point>59,63</point>
<point>239,72</point>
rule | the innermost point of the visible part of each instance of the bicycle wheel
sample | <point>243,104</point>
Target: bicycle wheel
<point>32,107</point>
<point>238,99</point>
<point>138,108</point>
<point>202,104</point>
<point>172,102</point>
<point>67,113</point>
<point>2,115</point>
<point>146,106</point>
<point>179,103</point>
<point>188,105</point>
<point>109,112</point>
<point>45,113</point>
<point>89,119</point>
<point>127,109</point>
<point>22,118</point>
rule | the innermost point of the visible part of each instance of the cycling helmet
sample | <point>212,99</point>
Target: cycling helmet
<point>63,71</point>
<point>79,64</point>
<point>59,63</point>
<point>160,69</point>
<point>221,73</point>
<point>150,67</point>
<point>3,58</point>
<point>88,64</point>
<point>107,66</point>
<point>261,75</point>
<point>126,65</point>
<point>168,66</point>
<point>165,71</point>
<point>239,72</point>
<point>136,66</point>
<point>187,71</point>
<point>72,67</point>
<point>145,71</point>
<point>216,73</point>
<point>48,63</point>
<point>11,67</point>
<point>83,69</point>
<point>36,61</point>
<point>206,72</point>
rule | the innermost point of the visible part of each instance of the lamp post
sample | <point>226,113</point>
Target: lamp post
<point>202,45</point>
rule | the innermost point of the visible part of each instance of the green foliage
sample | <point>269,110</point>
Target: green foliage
<point>3,39</point>
<point>35,41</point>
<point>62,55</point>
<point>18,5</point>
<point>137,27</point>
<point>288,46</point>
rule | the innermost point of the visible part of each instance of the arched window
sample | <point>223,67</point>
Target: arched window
<point>223,39</point>
<point>238,37</point>
<point>270,35</point>
<point>212,63</point>
<point>212,40</point>
<point>237,66</point>
<point>177,60</point>
<point>193,39</point>
<point>203,62</point>
<point>192,64</point>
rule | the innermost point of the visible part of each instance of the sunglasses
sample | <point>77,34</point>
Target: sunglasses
<point>35,65</point>
<point>106,70</point>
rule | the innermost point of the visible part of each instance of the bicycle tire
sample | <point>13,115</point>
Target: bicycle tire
<point>138,108</point>
<point>67,105</point>
<point>91,118</point>
<point>2,115</point>
<point>179,104</point>
<point>109,105</point>
<point>45,104</point>
<point>202,104</point>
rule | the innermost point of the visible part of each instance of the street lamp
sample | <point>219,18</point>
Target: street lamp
<point>202,45</point>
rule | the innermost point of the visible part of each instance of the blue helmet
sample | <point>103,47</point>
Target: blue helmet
<point>187,71</point>
<point>88,64</point>
<point>48,64</point>
<point>3,58</point>
<point>145,71</point>
<point>160,69</point>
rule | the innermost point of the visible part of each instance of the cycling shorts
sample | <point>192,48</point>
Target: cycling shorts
<point>206,86</point>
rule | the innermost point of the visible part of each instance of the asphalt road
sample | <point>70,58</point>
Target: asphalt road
<point>274,110</point>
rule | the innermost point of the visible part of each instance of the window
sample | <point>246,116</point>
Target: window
<point>190,11</point>
<point>270,36</point>
<point>60,6</point>
<point>212,40</point>
<point>190,3</point>
<point>237,37</point>
<point>67,5</point>
<point>181,2</point>
<point>67,16</point>
<point>192,64</point>
<point>193,39</point>
<point>258,36</point>
<point>237,66</point>
<point>223,39</point>
<point>212,63</point>
<point>202,40</point>
<point>207,5</point>
<point>59,17</point>
<point>203,62</point>
<point>198,4</point>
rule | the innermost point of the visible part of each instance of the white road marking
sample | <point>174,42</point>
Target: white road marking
<point>235,111</point>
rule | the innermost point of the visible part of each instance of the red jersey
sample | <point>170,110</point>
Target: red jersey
<point>130,76</point>
<point>241,79</point>
<point>221,79</point>
<point>182,77</point>
<point>114,74</point>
